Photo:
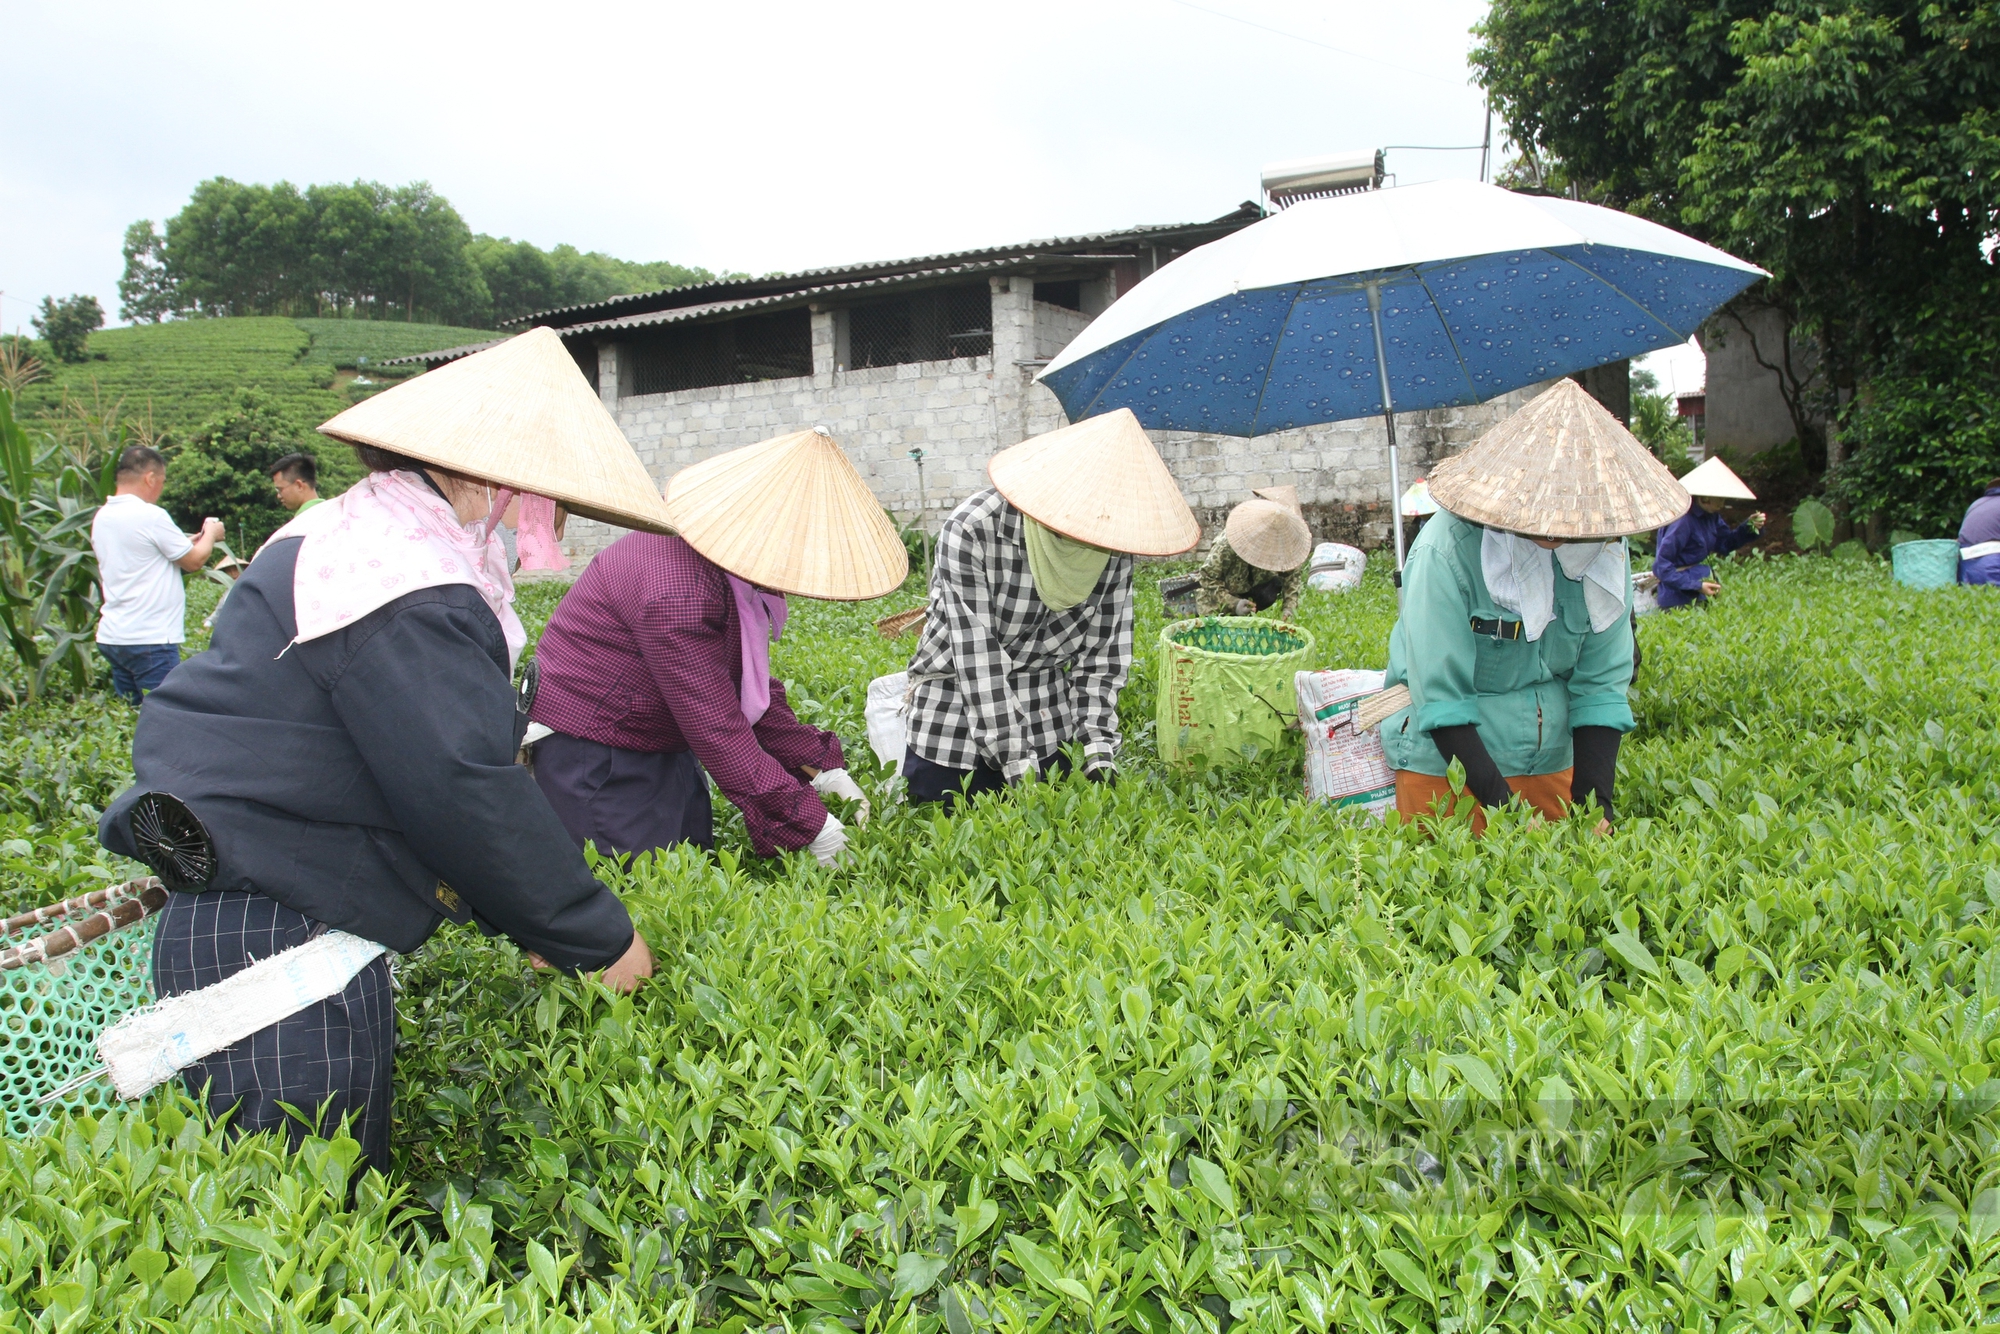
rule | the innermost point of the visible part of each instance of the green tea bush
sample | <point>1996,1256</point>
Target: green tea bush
<point>1191,1053</point>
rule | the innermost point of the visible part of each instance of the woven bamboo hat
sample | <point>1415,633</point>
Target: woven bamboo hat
<point>1714,478</point>
<point>1100,482</point>
<point>1288,496</point>
<point>1560,467</point>
<point>519,415</point>
<point>791,515</point>
<point>1268,534</point>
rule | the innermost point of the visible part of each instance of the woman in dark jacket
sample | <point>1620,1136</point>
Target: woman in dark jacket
<point>342,755</point>
<point>1684,547</point>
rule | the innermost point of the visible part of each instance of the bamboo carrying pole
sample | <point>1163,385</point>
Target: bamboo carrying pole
<point>115,908</point>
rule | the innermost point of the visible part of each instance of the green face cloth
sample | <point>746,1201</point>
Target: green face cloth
<point>1064,570</point>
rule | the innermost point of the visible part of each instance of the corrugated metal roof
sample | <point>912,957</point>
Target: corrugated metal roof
<point>780,300</point>
<point>444,353</point>
<point>563,317</point>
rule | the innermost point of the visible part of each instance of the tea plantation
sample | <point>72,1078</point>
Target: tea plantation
<point>1187,1054</point>
<point>186,371</point>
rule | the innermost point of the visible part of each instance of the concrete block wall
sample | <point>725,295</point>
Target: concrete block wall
<point>960,412</point>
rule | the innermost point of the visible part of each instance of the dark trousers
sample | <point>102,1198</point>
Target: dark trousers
<point>138,668</point>
<point>934,782</point>
<point>338,1054</point>
<point>625,801</point>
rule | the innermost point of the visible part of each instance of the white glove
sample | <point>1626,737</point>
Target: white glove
<point>831,844</point>
<point>837,783</point>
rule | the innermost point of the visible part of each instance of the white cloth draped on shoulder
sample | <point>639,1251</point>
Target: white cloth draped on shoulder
<point>387,535</point>
<point>1521,577</point>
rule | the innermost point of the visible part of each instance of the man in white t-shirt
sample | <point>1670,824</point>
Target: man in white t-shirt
<point>141,555</point>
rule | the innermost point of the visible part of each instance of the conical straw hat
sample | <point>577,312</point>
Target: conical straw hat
<point>1417,500</point>
<point>791,515</point>
<point>1288,496</point>
<point>1714,478</point>
<point>1100,482</point>
<point>519,415</point>
<point>1268,535</point>
<point>1560,467</point>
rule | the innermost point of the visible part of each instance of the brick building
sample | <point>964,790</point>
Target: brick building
<point>939,354</point>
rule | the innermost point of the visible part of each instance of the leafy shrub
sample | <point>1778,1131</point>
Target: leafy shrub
<point>1657,423</point>
<point>224,468</point>
<point>1189,1048</point>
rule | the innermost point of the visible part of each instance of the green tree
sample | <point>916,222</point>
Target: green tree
<point>66,325</point>
<point>222,469</point>
<point>361,249</point>
<point>1657,422</point>
<point>1851,147</point>
<point>423,261</point>
<point>243,249</point>
<point>146,290</point>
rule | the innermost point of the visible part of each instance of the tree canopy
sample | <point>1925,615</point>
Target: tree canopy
<point>1851,147</point>
<point>364,249</point>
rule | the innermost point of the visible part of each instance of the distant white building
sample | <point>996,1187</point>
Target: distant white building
<point>938,354</point>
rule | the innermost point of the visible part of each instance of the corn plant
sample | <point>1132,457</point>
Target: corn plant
<point>48,573</point>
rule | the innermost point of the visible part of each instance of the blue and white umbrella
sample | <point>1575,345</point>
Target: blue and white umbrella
<point>1390,301</point>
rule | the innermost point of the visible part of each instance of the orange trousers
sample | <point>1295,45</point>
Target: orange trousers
<point>1427,794</point>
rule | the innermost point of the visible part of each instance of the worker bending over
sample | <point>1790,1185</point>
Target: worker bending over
<point>1260,559</point>
<point>1513,639</point>
<point>1684,547</point>
<point>1028,638</point>
<point>343,754</point>
<point>654,674</point>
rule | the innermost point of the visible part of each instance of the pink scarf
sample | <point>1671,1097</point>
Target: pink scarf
<point>387,535</point>
<point>760,617</point>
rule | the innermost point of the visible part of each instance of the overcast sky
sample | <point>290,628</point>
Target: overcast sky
<point>755,136</point>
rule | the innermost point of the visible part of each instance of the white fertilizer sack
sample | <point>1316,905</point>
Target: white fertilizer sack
<point>1343,765</point>
<point>148,1047</point>
<point>1336,567</point>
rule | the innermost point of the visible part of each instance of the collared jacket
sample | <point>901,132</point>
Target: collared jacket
<point>645,654</point>
<point>1226,576</point>
<point>366,778</point>
<point>1680,556</point>
<point>1000,679</point>
<point>1524,696</point>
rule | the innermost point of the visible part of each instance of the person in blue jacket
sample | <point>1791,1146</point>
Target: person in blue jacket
<point>1684,547</point>
<point>1979,539</point>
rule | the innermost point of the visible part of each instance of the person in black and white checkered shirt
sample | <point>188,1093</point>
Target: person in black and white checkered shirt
<point>1028,639</point>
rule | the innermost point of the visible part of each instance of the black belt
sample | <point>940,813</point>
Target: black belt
<point>1496,629</point>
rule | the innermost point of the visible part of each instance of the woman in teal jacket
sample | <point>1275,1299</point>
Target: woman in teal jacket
<point>1514,640</point>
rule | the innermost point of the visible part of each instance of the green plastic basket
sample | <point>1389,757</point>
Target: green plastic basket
<point>51,1014</point>
<point>1226,687</point>
<point>1932,563</point>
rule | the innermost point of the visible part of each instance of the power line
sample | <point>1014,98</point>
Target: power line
<point>1309,41</point>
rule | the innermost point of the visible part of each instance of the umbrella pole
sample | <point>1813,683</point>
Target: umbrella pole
<point>1388,420</point>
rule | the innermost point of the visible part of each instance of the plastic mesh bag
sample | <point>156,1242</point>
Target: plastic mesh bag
<point>1226,686</point>
<point>52,1012</point>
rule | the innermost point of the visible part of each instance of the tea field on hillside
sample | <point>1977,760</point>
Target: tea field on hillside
<point>186,371</point>
<point>1185,1054</point>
